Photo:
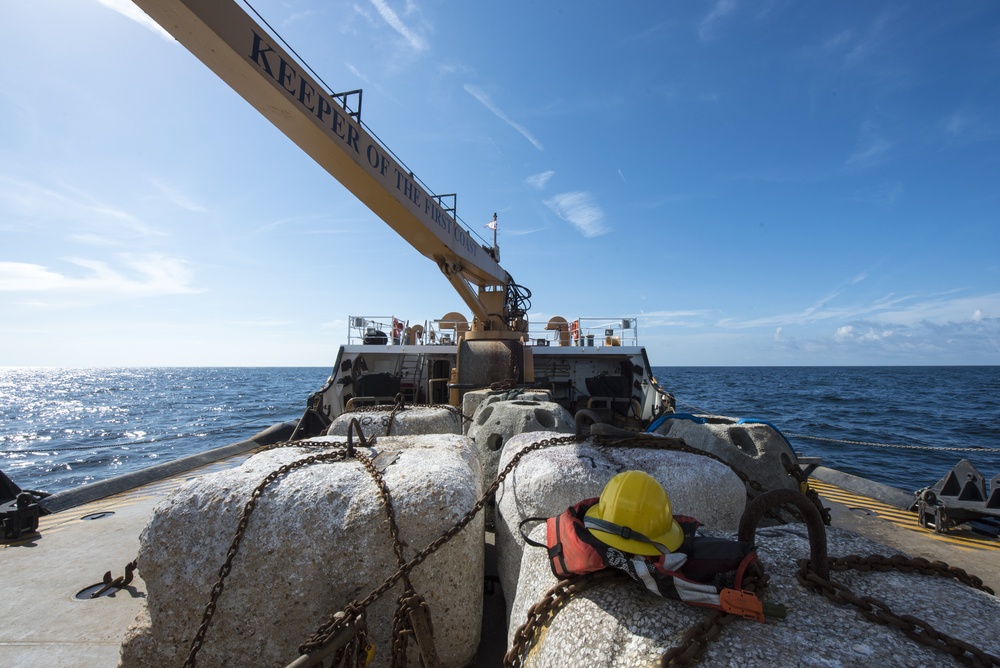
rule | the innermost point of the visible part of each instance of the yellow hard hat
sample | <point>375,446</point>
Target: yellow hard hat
<point>634,515</point>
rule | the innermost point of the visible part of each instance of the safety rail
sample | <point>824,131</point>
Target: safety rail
<point>388,330</point>
<point>589,332</point>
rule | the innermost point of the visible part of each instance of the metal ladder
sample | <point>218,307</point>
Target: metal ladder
<point>410,372</point>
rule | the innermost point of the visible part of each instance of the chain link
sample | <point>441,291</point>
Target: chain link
<point>894,445</point>
<point>328,629</point>
<point>199,638</point>
<point>398,404</point>
<point>754,488</point>
<point>550,603</point>
<point>898,562</point>
<point>695,640</point>
<point>879,612</point>
<point>410,605</point>
<point>690,649</point>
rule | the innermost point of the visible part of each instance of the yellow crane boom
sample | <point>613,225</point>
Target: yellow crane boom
<point>245,56</point>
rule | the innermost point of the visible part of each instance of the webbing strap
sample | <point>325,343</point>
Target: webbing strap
<point>624,532</point>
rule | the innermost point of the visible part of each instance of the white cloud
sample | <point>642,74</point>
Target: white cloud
<point>871,152</point>
<point>689,318</point>
<point>538,181</point>
<point>964,126</point>
<point>891,310</point>
<point>413,39</point>
<point>263,323</point>
<point>179,199</point>
<point>485,100</point>
<point>957,124</point>
<point>848,333</point>
<point>722,9</point>
<point>579,209</point>
<point>127,9</point>
<point>857,46</point>
<point>64,206</point>
<point>456,68</point>
<point>940,309</point>
<point>139,275</point>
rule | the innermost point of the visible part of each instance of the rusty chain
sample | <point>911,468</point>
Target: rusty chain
<point>412,612</point>
<point>754,488</point>
<point>549,604</point>
<point>234,546</point>
<point>328,629</point>
<point>691,647</point>
<point>695,640</point>
<point>399,404</point>
<point>877,562</point>
<point>358,652</point>
<point>878,611</point>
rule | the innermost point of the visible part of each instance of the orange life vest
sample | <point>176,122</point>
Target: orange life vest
<point>704,571</point>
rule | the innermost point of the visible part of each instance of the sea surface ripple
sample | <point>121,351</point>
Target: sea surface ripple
<point>60,428</point>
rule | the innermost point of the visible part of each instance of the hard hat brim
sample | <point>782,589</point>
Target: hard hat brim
<point>672,539</point>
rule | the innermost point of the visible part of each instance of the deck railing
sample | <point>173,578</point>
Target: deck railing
<point>594,332</point>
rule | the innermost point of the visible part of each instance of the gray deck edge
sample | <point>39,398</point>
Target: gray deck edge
<point>86,493</point>
<point>893,496</point>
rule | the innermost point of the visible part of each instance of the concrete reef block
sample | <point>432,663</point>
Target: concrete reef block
<point>549,480</point>
<point>407,422</point>
<point>317,540</point>
<point>614,625</point>
<point>754,449</point>
<point>496,421</point>
<point>472,400</point>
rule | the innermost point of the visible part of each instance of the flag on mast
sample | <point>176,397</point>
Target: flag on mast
<point>492,224</point>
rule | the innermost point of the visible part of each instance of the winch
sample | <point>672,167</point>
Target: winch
<point>960,496</point>
<point>19,509</point>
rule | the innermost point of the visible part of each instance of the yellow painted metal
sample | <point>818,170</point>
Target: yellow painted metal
<point>253,63</point>
<point>898,516</point>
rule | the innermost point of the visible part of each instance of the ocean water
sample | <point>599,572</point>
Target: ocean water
<point>923,408</point>
<point>60,428</point>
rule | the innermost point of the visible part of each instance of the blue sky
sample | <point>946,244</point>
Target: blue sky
<point>763,183</point>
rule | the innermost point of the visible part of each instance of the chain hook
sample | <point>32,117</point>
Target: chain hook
<point>580,417</point>
<point>769,500</point>
<point>351,428</point>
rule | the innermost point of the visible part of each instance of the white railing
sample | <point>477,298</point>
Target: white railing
<point>585,332</point>
<point>389,330</point>
<point>595,332</point>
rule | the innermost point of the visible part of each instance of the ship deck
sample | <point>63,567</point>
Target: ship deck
<point>46,624</point>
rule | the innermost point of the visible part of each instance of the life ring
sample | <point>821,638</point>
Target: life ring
<point>574,328</point>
